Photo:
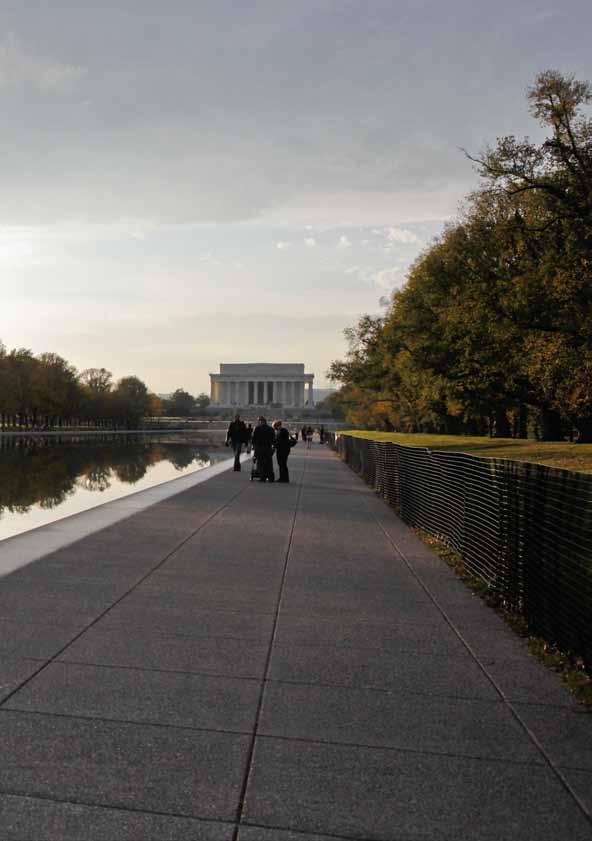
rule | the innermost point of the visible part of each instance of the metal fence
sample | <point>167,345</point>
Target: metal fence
<point>523,528</point>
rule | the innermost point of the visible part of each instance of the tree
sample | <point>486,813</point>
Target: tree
<point>558,292</point>
<point>98,380</point>
<point>155,406</point>
<point>180,404</point>
<point>97,385</point>
<point>334,404</point>
<point>202,401</point>
<point>132,400</point>
<point>495,320</point>
<point>58,390</point>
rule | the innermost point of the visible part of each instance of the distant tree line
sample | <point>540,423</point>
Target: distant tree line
<point>181,404</point>
<point>45,391</point>
<point>492,333</point>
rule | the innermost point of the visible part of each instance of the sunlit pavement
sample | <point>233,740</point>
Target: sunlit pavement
<point>254,662</point>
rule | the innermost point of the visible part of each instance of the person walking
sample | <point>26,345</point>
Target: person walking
<point>322,435</point>
<point>263,443</point>
<point>236,436</point>
<point>283,445</point>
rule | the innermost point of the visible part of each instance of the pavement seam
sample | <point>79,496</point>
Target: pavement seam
<point>397,749</point>
<point>126,721</point>
<point>323,684</point>
<point>181,816</point>
<point>257,678</point>
<point>7,792</point>
<point>224,675</point>
<point>548,761</point>
<point>273,737</point>
<point>127,593</point>
<point>306,832</point>
<point>249,763</point>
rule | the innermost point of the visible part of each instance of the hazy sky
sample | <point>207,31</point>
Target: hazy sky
<point>190,182</point>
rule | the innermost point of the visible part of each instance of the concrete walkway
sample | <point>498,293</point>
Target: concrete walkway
<point>246,662</point>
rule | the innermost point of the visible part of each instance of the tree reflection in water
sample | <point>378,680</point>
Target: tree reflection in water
<point>45,471</point>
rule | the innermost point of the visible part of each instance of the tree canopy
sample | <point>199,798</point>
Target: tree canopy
<point>492,331</point>
<point>46,391</point>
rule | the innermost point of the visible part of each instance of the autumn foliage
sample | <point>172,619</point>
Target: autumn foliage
<point>45,391</point>
<point>492,333</point>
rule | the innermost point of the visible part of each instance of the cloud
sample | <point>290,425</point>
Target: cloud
<point>283,245</point>
<point>343,242</point>
<point>21,67</point>
<point>388,278</point>
<point>277,127</point>
<point>401,235</point>
<point>385,279</point>
<point>310,242</point>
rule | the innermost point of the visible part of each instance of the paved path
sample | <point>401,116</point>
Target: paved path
<point>246,662</point>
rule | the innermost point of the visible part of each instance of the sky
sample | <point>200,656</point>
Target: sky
<point>188,183</point>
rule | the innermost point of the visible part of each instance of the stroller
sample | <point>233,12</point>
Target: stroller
<point>255,472</point>
<point>254,469</point>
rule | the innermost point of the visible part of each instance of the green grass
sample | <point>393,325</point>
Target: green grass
<point>552,453</point>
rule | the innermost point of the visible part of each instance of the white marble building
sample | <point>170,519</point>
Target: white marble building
<point>261,384</point>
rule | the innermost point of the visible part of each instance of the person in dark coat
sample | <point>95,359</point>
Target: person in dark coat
<point>322,435</point>
<point>236,436</point>
<point>263,443</point>
<point>283,445</point>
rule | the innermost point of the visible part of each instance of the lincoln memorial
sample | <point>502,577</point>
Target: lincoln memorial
<point>261,384</point>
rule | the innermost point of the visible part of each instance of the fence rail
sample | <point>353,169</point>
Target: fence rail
<point>523,528</point>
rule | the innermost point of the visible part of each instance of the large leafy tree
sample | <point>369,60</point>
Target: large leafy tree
<point>496,316</point>
<point>555,295</point>
<point>132,400</point>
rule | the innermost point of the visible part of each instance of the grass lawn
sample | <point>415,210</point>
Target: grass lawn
<point>554,453</point>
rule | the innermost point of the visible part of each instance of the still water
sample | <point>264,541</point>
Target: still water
<point>46,479</point>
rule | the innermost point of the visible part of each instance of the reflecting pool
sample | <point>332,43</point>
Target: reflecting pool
<point>43,479</point>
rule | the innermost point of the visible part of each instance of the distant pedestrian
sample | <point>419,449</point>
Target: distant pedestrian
<point>309,434</point>
<point>249,437</point>
<point>283,444</point>
<point>322,435</point>
<point>235,437</point>
<point>304,434</point>
<point>263,443</point>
